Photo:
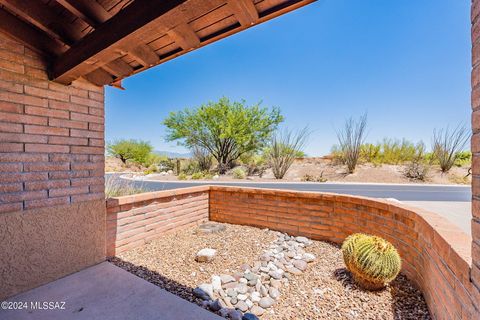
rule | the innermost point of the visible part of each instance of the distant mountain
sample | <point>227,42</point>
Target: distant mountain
<point>170,154</point>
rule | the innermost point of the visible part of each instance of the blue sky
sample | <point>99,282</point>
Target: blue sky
<point>406,63</point>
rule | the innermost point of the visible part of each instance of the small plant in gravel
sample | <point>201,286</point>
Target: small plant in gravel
<point>374,262</point>
<point>239,173</point>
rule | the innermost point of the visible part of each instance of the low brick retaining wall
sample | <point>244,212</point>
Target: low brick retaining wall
<point>135,220</point>
<point>436,254</point>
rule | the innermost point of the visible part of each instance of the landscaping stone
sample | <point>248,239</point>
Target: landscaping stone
<point>234,314</point>
<point>300,265</point>
<point>242,306</point>
<point>249,316</point>
<point>205,255</point>
<point>257,310</point>
<point>201,294</point>
<point>273,292</point>
<point>215,305</point>
<point>266,302</point>
<point>211,227</point>
<point>216,283</point>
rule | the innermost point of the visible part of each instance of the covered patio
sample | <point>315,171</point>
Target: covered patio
<point>57,229</point>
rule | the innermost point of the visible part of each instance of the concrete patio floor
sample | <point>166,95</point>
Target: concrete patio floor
<point>105,292</point>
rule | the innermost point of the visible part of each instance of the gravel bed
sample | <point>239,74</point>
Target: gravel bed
<point>169,261</point>
<point>324,290</point>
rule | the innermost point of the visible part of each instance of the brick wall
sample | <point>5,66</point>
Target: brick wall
<point>51,136</point>
<point>476,141</point>
<point>435,253</point>
<point>135,220</point>
<point>52,207</point>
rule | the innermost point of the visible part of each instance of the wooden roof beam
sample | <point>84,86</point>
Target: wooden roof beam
<point>145,55</point>
<point>43,17</point>
<point>185,37</point>
<point>118,68</point>
<point>120,30</point>
<point>244,11</point>
<point>29,35</point>
<point>89,11</point>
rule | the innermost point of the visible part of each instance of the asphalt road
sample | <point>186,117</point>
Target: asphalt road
<point>400,192</point>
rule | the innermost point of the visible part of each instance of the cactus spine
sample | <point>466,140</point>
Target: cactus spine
<point>373,261</point>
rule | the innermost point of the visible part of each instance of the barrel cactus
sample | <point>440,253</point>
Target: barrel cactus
<point>374,262</point>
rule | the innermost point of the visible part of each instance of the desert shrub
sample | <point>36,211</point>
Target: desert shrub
<point>350,139</point>
<point>400,151</point>
<point>133,150</point>
<point>447,145</point>
<point>239,173</point>
<point>463,158</point>
<point>283,149</point>
<point>182,176</point>
<point>255,164</point>
<point>151,169</point>
<point>117,187</point>
<point>370,152</point>
<point>189,166</point>
<point>166,164</point>
<point>374,262</point>
<point>197,176</point>
<point>416,170</point>
<point>337,155</point>
<point>203,158</point>
<point>311,178</point>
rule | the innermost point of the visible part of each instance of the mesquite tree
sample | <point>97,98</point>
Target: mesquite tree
<point>226,129</point>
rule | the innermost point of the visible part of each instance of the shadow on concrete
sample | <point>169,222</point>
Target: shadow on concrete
<point>157,279</point>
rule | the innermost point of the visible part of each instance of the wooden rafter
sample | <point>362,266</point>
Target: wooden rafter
<point>184,36</point>
<point>28,35</point>
<point>89,11</point>
<point>146,56</point>
<point>126,23</point>
<point>118,68</point>
<point>244,11</point>
<point>41,15</point>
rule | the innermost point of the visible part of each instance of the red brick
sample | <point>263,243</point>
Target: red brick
<point>85,166</point>
<point>11,207</point>
<point>96,127</point>
<point>45,185</point>
<point>68,174</point>
<point>67,123</point>
<point>39,111</point>
<point>23,99</point>
<point>10,127</point>
<point>11,147</point>
<point>20,118</point>
<point>22,157</point>
<point>31,204</point>
<point>10,187</point>
<point>22,196</point>
<point>12,66</point>
<point>10,107</point>
<point>86,102</point>
<point>88,197</point>
<point>22,137</point>
<point>46,148</point>
<point>86,117</point>
<point>87,181</point>
<point>86,134</point>
<point>46,166</point>
<point>67,106</point>
<point>67,191</point>
<point>68,140</point>
<point>44,130</point>
<point>87,150</point>
<point>11,167</point>
<point>11,86</point>
<point>96,96</point>
<point>49,94</point>
<point>96,112</point>
<point>68,157</point>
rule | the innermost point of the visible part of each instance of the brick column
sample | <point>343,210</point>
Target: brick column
<point>476,142</point>
<point>52,207</point>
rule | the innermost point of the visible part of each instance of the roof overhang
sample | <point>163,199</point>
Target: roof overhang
<point>106,41</point>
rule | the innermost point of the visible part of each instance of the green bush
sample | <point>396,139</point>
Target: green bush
<point>239,173</point>
<point>374,262</point>
<point>133,150</point>
<point>463,158</point>
<point>182,176</point>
